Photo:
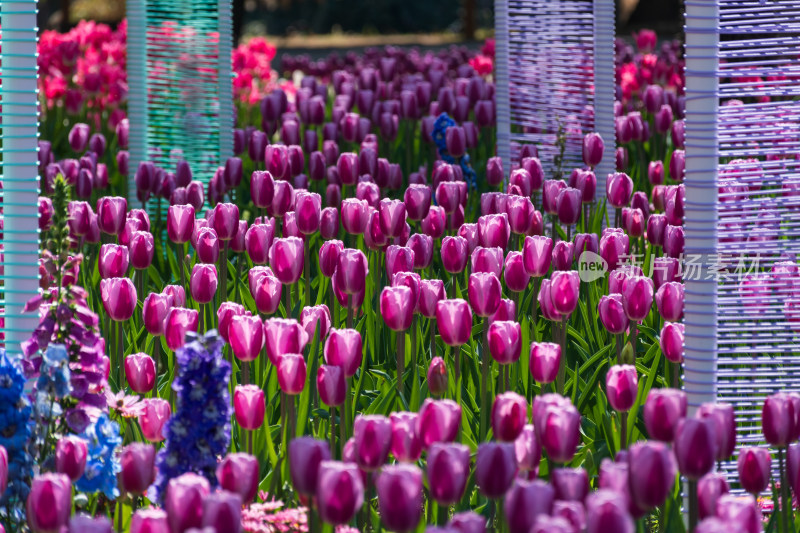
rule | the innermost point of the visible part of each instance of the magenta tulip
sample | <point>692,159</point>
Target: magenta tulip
<point>605,511</point>
<point>249,406</point>
<point>286,259</point>
<point>154,414</point>
<point>203,283</point>
<point>49,503</point>
<point>406,445</point>
<point>484,293</point>
<point>447,472</point>
<point>537,254</point>
<point>568,205</point>
<point>70,457</point>
<point>344,348</point>
<point>564,291</point>
<point>722,417</point>
<point>306,454</point>
<point>545,360</point>
<point>505,341</point>
<point>709,489</point>
<point>754,466</point>
<point>695,447</point>
<point>495,468</point>
<point>119,298</point>
<point>331,385</point>
<point>509,413</point>
<point>246,337</point>
<point>291,373</point>
<point>137,461</point>
<point>619,188</point>
<point>111,211</point>
<point>487,260</point>
<point>140,371</point>
<point>149,520</point>
<point>652,470</point>
<point>329,256</point>
<point>399,259</point>
<point>671,341</point>
<point>454,319</point>
<point>399,489</point>
<point>180,223</point>
<point>154,313</point>
<point>184,501</point>
<point>373,439</point>
<point>622,384</point>
<point>397,307</point>
<point>340,491</point>
<point>516,277</point>
<point>351,271</point>
<point>527,450</point>
<point>417,199</point>
<point>258,241</point>
<point>663,410</point>
<point>438,421</point>
<point>329,223</point>
<point>557,424</point>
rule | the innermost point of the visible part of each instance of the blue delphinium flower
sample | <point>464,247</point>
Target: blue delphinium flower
<point>54,372</point>
<point>15,434</point>
<point>102,463</point>
<point>199,431</point>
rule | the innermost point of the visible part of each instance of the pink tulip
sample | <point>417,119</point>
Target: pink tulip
<point>564,291</point>
<point>438,421</point>
<point>281,336</point>
<point>318,315</point>
<point>179,322</point>
<point>537,254</point>
<point>494,230</point>
<point>351,271</point>
<point>545,360</point>
<point>487,260</point>
<point>652,472</point>
<point>344,348</point>
<point>619,188</point>
<point>119,298</point>
<point>550,191</point>
<point>431,292</point>
<point>140,371</point>
<point>184,501</point>
<point>291,373</point>
<point>397,307</point>
<point>454,319</point>
<point>434,222</point>
<point>637,297</point>
<point>49,503</point>
<point>527,450</point>
<point>754,467</point>
<point>180,223</point>
<point>557,424</point>
<point>469,232</point>
<point>286,258</point>
<point>506,311</point>
<point>354,215</point>
<point>422,246</point>
<point>495,469</point>
<point>509,413</point>
<point>154,313</point>
<point>308,209</point>
<point>111,212</point>
<point>340,491</point>
<point>612,314</point>
<point>238,473</point>
<point>505,338</point>
<point>671,341</point>
<point>399,259</point>
<point>545,301</point>
<point>249,406</point>
<point>331,385</point>
<point>329,256</point>
<point>262,188</point>
<point>622,383</point>
<point>662,411</point>
<point>484,293</point>
<point>112,261</point>
<point>137,461</point>
<point>154,414</point>
<point>447,472</point>
<point>329,223</point>
<point>246,337</point>
<point>417,199</point>
<point>406,445</point>
<point>669,300</point>
<point>70,458</point>
<point>516,277</point>
<point>258,241</point>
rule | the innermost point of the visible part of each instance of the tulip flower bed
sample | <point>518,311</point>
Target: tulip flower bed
<point>369,329</point>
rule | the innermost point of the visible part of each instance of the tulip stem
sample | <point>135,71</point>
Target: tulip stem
<point>786,507</point>
<point>250,442</point>
<point>618,343</point>
<point>245,366</point>
<point>562,366</point>
<point>432,323</point>
<point>288,309</point>
<point>693,511</point>
<point>414,326</point>
<point>179,247</point>
<point>484,375</point>
<point>120,352</point>
<point>332,428</point>
<point>623,430</point>
<point>535,307</point>
<point>307,270</point>
<point>401,351</point>
<point>223,266</point>
<point>457,357</point>
<point>349,311</point>
<point>156,357</point>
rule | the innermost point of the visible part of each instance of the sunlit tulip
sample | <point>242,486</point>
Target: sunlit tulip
<point>545,360</point>
<point>70,457</point>
<point>662,411</point>
<point>509,413</point>
<point>140,372</point>
<point>417,199</point>
<point>344,348</point>
<point>537,253</point>
<point>154,414</point>
<point>119,298</point>
<point>505,338</point>
<point>484,293</point>
<point>49,502</point>
<point>351,271</point>
<point>286,258</point>
<point>671,341</point>
<point>622,383</point>
<point>203,283</point>
<point>283,336</point>
<point>257,241</point>
<point>113,261</point>
<point>180,223</point>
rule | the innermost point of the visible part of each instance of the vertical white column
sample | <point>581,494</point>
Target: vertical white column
<point>136,12</point>
<point>604,89</point>
<point>700,222</point>
<point>226,114</point>
<point>20,179</point>
<point>501,83</point>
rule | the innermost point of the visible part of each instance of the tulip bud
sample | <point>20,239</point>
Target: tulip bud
<point>622,384</point>
<point>112,261</point>
<point>238,473</point>
<point>695,447</point>
<point>119,298</point>
<point>537,254</point>
<point>305,456</point>
<point>495,468</point>
<point>606,512</point>
<point>399,490</point>
<point>545,360</point>
<point>437,377</point>
<point>447,472</point>
<point>331,385</point>
<point>778,419</point>
<point>723,419</point>
<point>754,465</point>
<point>709,488</point>
<point>652,470</point>
<point>49,503</point>
<point>140,371</point>
<point>508,416</point>
<point>286,258</point>
<point>505,339</point>
<point>344,348</point>
<point>663,410</point>
<point>340,492</point>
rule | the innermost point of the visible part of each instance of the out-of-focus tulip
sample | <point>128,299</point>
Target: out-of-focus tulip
<point>494,231</point>
<point>179,322</point>
<point>637,297</point>
<point>754,465</point>
<point>262,188</point>
<point>551,189</point>
<point>184,501</point>
<point>137,461</point>
<point>525,502</point>
<point>695,447</point>
<point>622,384</point>
<point>709,488</point>
<point>740,510</point>
<point>605,511</point>
<point>612,314</point>
<point>434,222</point>
<point>140,371</point>
<point>505,341</point>
<point>454,319</point>
<point>722,416</point>
<point>558,426</point>
<point>592,149</point>
<point>447,472</point>
<point>778,419</point>
<point>49,503</point>
<point>373,439</point>
<point>508,416</point>
<point>149,520</point>
<point>329,223</point>
<point>669,300</point>
<point>399,490</point>
<point>437,377</point>
<point>238,473</point>
<point>406,445</point>
<point>652,470</point>
<point>222,511</point>
<point>344,348</point>
<point>527,449</point>
<point>351,271</point>
<point>291,373</point>
<point>438,421</point>
<point>306,454</point>
<point>111,211</point>
<point>545,360</point>
<point>141,248</point>
<point>495,468</point>
<point>154,414</point>
<point>71,452</point>
<point>249,406</point>
<point>663,410</point>
<point>340,491</point>
<point>119,298</point>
